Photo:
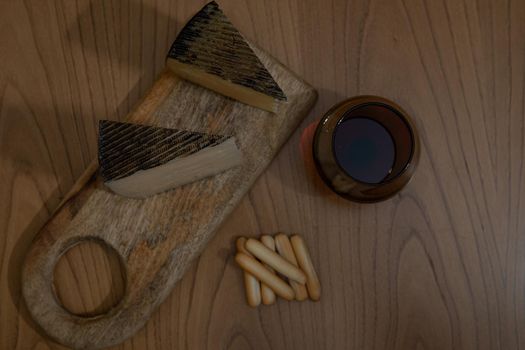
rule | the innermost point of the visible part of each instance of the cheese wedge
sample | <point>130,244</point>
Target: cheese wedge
<point>209,51</point>
<point>139,161</point>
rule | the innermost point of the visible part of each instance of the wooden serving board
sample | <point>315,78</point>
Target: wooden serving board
<point>157,237</point>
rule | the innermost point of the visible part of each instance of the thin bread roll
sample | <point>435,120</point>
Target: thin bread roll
<point>251,284</point>
<point>303,259</point>
<point>240,244</point>
<point>284,247</point>
<point>267,294</point>
<point>274,260</point>
<point>280,287</point>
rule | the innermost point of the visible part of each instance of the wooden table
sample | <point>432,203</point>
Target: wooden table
<point>440,266</point>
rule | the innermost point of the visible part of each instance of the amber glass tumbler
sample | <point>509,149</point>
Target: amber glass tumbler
<point>366,148</point>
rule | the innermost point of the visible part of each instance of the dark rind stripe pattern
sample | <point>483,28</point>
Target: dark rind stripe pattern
<point>125,148</point>
<point>210,42</point>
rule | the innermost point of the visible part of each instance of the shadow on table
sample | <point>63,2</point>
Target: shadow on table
<point>16,260</point>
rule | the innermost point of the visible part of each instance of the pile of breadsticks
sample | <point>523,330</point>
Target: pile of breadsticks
<point>263,268</point>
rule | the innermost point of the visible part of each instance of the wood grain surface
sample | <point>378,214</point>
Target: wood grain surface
<point>440,266</point>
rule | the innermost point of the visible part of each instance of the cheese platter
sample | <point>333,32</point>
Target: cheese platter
<point>158,214</point>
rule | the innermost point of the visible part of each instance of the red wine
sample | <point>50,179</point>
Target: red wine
<point>364,149</point>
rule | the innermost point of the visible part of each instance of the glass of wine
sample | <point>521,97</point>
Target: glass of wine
<point>366,148</point>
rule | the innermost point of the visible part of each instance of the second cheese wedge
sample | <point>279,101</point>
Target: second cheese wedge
<point>139,160</point>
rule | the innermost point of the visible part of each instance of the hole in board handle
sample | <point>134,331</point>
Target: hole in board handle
<point>89,278</point>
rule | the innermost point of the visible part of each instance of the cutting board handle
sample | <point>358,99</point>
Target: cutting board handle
<point>118,322</point>
<point>45,254</point>
<point>38,273</point>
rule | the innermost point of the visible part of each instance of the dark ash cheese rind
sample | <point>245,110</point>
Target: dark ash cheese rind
<point>210,42</point>
<point>126,148</point>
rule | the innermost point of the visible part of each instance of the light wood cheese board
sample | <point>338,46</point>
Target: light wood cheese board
<point>157,237</point>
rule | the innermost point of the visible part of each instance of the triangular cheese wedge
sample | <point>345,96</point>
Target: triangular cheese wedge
<point>211,52</point>
<point>139,160</point>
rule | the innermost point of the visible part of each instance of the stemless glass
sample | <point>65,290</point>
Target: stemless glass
<point>366,148</point>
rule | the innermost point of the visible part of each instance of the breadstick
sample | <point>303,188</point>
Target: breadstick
<point>241,246</point>
<point>280,287</point>
<point>303,258</point>
<point>285,249</point>
<point>251,284</point>
<point>268,296</point>
<point>276,261</point>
